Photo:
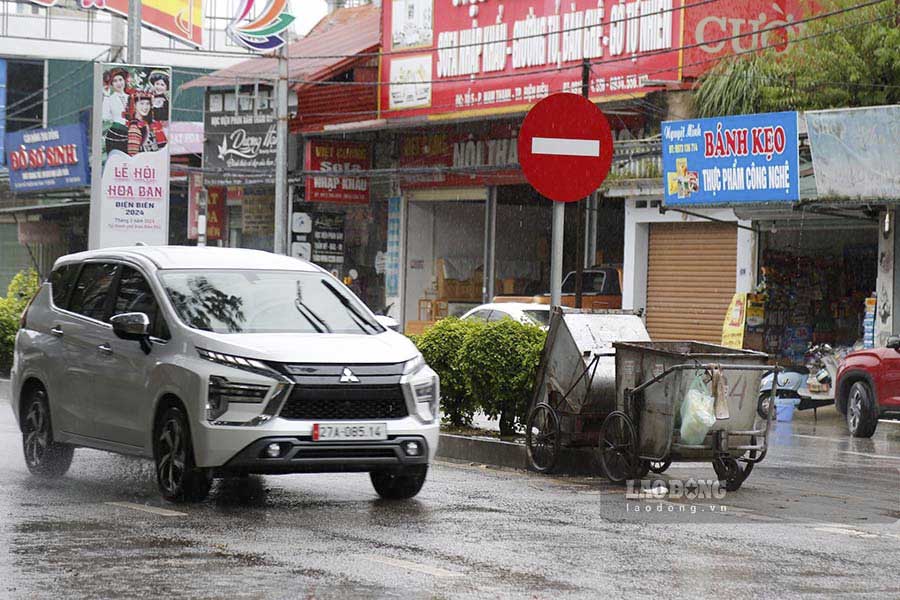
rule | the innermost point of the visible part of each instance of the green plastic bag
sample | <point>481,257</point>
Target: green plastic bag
<point>697,412</point>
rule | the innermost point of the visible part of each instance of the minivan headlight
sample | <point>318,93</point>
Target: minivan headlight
<point>425,389</point>
<point>238,362</point>
<point>222,392</point>
<point>411,367</point>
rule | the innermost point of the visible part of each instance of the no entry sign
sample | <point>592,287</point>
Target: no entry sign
<point>565,147</point>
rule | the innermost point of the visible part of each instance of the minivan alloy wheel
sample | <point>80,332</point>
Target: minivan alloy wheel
<point>37,433</point>
<point>172,455</point>
<point>178,477</point>
<point>43,456</point>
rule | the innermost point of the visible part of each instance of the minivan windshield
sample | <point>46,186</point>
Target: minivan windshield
<point>259,301</point>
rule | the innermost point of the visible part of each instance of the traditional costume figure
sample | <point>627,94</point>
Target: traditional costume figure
<point>144,133</point>
<point>115,110</point>
<point>160,82</point>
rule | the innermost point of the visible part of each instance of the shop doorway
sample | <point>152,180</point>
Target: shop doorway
<point>444,260</point>
<point>816,279</point>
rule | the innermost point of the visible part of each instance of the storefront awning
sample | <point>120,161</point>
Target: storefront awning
<point>333,44</point>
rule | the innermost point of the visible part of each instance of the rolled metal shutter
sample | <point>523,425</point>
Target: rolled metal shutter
<point>691,278</point>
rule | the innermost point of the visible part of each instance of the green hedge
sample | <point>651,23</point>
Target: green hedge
<point>21,290</point>
<point>484,366</point>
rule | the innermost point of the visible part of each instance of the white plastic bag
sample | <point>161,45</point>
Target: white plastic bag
<point>697,412</point>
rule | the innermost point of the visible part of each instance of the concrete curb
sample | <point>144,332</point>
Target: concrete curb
<point>513,455</point>
<point>482,450</point>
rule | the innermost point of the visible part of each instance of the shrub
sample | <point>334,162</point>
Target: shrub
<point>21,290</point>
<point>499,362</point>
<point>440,345</point>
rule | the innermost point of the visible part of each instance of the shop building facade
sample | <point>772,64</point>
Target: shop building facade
<point>450,221</point>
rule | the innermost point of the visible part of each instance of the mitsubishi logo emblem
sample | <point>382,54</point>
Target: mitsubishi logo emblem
<point>348,377</point>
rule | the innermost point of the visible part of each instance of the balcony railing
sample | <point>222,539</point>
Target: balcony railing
<point>637,159</point>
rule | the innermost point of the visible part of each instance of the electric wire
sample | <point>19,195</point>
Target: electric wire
<point>619,59</point>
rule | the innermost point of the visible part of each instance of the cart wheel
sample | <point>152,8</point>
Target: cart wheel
<point>659,466</point>
<point>730,472</point>
<point>618,448</point>
<point>542,438</point>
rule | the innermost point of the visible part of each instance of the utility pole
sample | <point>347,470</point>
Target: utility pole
<point>579,229</point>
<point>281,162</point>
<point>134,32</point>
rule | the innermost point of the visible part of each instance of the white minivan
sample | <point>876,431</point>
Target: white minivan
<point>218,361</point>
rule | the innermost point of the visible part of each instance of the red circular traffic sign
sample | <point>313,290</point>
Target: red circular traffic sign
<point>565,147</point>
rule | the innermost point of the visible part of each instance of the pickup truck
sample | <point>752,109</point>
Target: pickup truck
<point>601,289</point>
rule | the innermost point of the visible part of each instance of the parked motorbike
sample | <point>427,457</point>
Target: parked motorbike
<point>812,385</point>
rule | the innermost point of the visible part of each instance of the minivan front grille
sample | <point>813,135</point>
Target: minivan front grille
<point>345,403</point>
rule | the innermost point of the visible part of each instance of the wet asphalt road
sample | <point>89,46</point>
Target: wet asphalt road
<point>818,518</point>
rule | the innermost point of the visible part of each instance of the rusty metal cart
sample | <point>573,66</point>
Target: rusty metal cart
<point>594,389</point>
<point>575,387</point>
<point>652,379</point>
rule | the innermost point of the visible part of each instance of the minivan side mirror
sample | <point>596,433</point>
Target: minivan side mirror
<point>893,342</point>
<point>131,326</point>
<point>388,322</point>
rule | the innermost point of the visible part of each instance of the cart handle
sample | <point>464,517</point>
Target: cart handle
<point>696,367</point>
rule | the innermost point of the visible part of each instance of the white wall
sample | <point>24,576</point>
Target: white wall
<point>886,321</point>
<point>637,238</point>
<point>419,250</point>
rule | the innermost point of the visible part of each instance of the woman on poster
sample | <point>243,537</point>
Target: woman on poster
<point>160,82</point>
<point>144,133</point>
<point>115,109</point>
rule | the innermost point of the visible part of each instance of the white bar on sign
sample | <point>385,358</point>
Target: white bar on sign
<point>565,146</point>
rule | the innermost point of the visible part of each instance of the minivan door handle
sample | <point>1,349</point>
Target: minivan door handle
<point>104,349</point>
<point>57,331</point>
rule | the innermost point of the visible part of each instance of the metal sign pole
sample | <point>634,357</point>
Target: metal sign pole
<point>281,158</point>
<point>134,32</point>
<point>96,160</point>
<point>556,253</point>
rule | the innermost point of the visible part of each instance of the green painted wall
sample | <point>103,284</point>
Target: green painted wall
<point>14,255</point>
<point>70,92</point>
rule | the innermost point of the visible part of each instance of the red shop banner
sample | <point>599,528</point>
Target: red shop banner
<point>491,56</point>
<point>459,159</point>
<point>216,216</point>
<point>494,55</point>
<point>216,212</point>
<point>337,162</point>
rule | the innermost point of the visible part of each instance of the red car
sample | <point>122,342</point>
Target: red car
<point>868,387</point>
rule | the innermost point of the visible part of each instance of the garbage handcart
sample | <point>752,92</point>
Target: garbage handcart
<point>635,427</point>
<point>575,385</point>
